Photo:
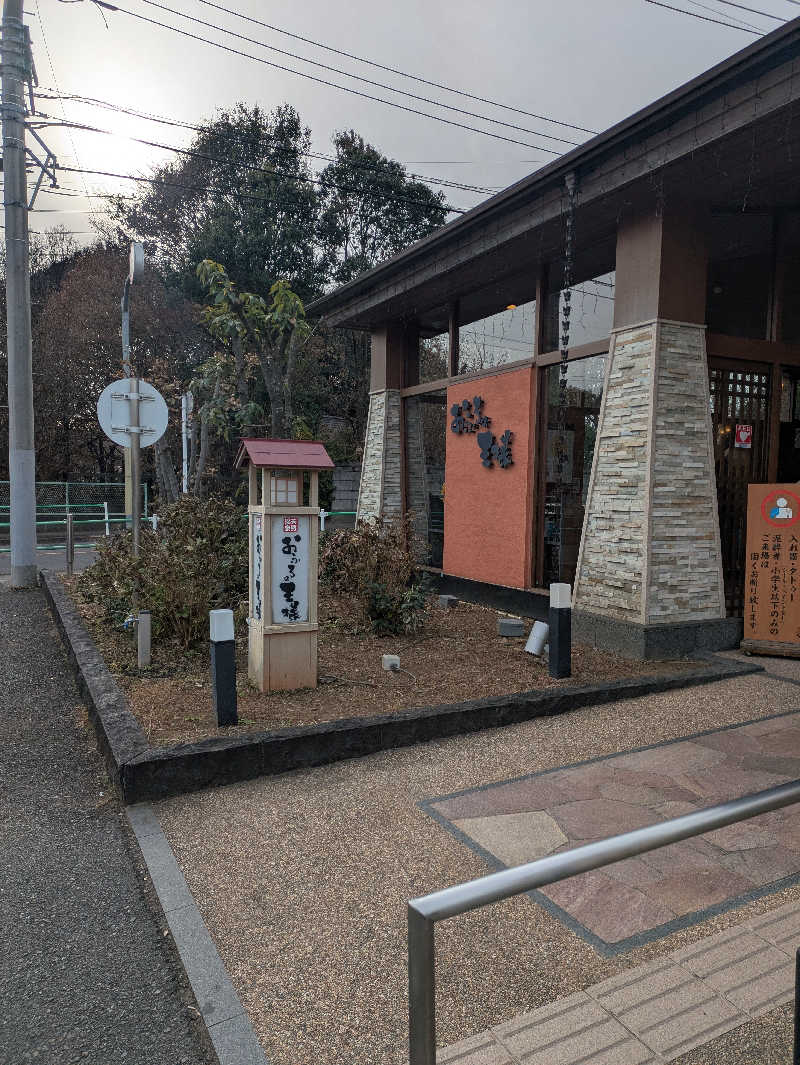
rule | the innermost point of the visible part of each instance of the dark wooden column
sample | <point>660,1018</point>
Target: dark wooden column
<point>453,349</point>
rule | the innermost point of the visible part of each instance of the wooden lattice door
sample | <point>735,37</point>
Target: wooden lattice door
<point>739,396</point>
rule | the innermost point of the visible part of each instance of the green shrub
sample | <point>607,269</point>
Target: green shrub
<point>371,569</point>
<point>195,562</point>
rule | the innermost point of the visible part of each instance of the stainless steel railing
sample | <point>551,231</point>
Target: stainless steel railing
<point>423,913</point>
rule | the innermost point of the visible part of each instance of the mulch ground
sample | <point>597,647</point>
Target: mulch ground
<point>457,656</point>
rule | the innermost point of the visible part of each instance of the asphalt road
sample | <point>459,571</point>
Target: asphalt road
<point>54,560</point>
<point>87,973</point>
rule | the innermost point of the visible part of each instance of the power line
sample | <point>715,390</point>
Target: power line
<point>716,11</point>
<point>394,70</point>
<point>705,18</point>
<point>190,188</point>
<point>355,77</point>
<point>279,148</point>
<point>324,182</point>
<point>330,84</point>
<point>58,91</point>
<point>752,10</point>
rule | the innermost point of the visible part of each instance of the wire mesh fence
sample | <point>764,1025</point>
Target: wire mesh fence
<point>97,508</point>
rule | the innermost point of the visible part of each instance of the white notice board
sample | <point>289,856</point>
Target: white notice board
<point>290,561</point>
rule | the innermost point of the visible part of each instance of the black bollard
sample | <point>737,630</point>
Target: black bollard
<point>560,637</point>
<point>223,667</point>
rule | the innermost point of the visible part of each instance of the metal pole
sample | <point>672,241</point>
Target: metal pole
<point>105,514</point>
<point>136,465</point>
<point>185,443</point>
<point>421,990</point>
<point>21,447</point>
<point>126,369</point>
<point>70,544</point>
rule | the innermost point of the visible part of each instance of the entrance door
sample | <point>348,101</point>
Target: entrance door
<point>740,419</point>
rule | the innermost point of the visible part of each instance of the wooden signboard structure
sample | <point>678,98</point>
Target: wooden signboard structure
<point>283,511</point>
<point>772,579</point>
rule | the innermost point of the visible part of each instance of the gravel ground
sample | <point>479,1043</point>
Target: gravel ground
<point>87,973</point>
<point>303,881</point>
<point>767,1041</point>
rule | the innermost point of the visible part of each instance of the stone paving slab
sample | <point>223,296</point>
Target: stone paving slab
<point>634,902</point>
<point>655,1012</point>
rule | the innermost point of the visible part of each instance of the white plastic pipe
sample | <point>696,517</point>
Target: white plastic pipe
<point>538,638</point>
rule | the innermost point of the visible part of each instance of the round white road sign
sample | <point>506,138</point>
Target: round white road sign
<point>113,412</point>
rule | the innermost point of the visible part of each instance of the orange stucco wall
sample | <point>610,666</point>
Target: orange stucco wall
<point>488,512</point>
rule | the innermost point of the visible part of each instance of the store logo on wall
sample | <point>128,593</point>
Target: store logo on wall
<point>469,418</point>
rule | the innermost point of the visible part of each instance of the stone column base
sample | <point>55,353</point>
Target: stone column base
<point>662,641</point>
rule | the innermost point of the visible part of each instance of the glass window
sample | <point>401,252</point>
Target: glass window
<point>500,338</point>
<point>568,457</point>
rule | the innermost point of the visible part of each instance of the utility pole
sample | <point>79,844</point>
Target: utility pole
<point>135,271</point>
<point>21,448</point>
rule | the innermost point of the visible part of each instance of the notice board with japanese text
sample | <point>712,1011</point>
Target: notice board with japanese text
<point>772,578</point>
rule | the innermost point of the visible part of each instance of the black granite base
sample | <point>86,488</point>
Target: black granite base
<point>673,640</point>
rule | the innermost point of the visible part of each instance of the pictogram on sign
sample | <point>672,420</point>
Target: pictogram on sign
<point>744,436</point>
<point>290,525</point>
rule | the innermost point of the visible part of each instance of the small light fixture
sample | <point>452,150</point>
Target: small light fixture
<point>511,307</point>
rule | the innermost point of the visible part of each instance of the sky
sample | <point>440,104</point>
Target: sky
<point>590,63</point>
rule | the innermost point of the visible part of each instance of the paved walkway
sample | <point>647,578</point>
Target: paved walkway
<point>656,1012</point>
<point>87,974</point>
<point>302,880</point>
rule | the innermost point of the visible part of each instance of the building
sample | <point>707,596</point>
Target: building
<point>681,231</point>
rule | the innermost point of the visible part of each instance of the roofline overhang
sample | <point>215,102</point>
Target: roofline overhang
<point>767,52</point>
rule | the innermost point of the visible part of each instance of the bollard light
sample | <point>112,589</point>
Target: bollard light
<point>223,667</point>
<point>560,624</point>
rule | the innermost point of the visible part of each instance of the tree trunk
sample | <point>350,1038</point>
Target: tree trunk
<point>205,444</point>
<point>241,372</point>
<point>166,471</point>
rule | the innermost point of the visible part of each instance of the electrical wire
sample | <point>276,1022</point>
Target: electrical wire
<point>202,129</point>
<point>355,77</point>
<point>60,97</point>
<point>323,81</point>
<point>705,18</point>
<point>715,11</point>
<point>394,70</point>
<point>324,182</point>
<point>190,188</point>
<point>752,10</point>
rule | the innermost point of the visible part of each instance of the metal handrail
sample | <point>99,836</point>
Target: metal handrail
<point>424,912</point>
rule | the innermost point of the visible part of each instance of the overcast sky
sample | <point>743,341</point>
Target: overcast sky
<point>586,62</point>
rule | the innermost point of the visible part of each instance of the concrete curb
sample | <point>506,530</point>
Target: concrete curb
<point>226,1021</point>
<point>143,773</point>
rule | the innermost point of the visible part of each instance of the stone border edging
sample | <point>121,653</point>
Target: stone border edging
<point>221,1010</point>
<point>144,773</point>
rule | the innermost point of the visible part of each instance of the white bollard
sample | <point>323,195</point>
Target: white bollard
<point>105,515</point>
<point>322,516</point>
<point>143,639</point>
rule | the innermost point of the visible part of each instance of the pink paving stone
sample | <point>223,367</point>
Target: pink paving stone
<point>590,819</point>
<point>611,910</point>
<point>786,743</point>
<point>518,796</point>
<point>636,794</point>
<point>763,865</point>
<point>728,782</point>
<point>787,833</point>
<point>741,837</point>
<point>734,741</point>
<point>632,871</point>
<point>770,725</point>
<point>688,854</point>
<point>672,757</point>
<point>690,890</point>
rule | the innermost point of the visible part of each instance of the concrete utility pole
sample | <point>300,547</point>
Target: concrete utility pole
<point>135,271</point>
<point>21,448</point>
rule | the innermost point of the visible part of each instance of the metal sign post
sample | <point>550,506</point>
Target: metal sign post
<point>133,477</point>
<point>133,414</point>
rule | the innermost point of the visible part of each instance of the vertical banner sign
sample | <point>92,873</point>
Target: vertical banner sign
<point>772,588</point>
<point>290,566</point>
<point>258,568</point>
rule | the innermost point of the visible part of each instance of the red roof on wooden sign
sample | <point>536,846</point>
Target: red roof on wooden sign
<point>284,454</point>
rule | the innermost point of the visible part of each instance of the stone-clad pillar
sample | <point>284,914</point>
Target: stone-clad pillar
<point>650,564</point>
<point>650,552</point>
<point>395,364</point>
